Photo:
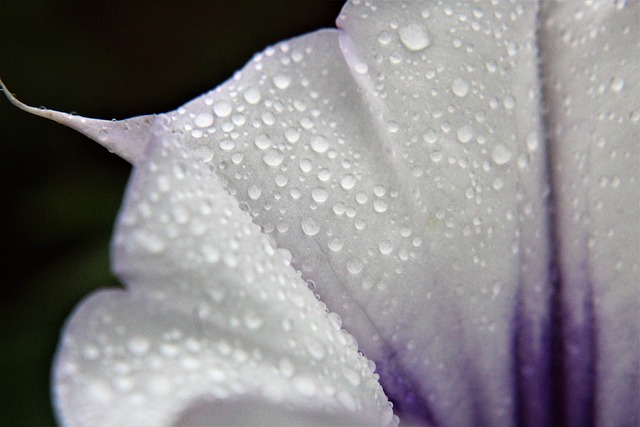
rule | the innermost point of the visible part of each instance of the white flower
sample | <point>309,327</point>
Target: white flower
<point>484,256</point>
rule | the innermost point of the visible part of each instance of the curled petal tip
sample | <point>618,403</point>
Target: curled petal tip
<point>126,138</point>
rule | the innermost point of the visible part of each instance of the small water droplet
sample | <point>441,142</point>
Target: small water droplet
<point>273,158</point>
<point>310,226</point>
<point>281,81</point>
<point>252,95</point>
<point>355,265</point>
<point>319,194</point>
<point>617,84</point>
<point>361,68</point>
<point>347,181</point>
<point>262,141</point>
<point>500,154</point>
<point>335,244</point>
<point>465,134</point>
<point>319,144</point>
<point>203,120</point>
<point>222,108</point>
<point>460,87</point>
<point>414,37</point>
<point>385,247</point>
<point>254,192</point>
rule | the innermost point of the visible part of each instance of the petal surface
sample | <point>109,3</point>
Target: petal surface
<point>214,326</point>
<point>591,67</point>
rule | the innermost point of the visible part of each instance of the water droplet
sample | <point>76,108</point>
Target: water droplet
<point>203,120</point>
<point>222,108</point>
<point>500,154</point>
<point>273,157</point>
<point>254,192</point>
<point>252,95</point>
<point>335,244</point>
<point>385,247</point>
<point>414,37</point>
<point>460,87</point>
<point>292,135</point>
<point>319,144</point>
<point>319,194</point>
<point>227,144</point>
<point>310,226</point>
<point>617,84</point>
<point>347,182</point>
<point>361,68</point>
<point>355,265</point>
<point>465,133</point>
<point>262,141</point>
<point>436,155</point>
<point>532,141</point>
<point>380,206</point>
<point>281,81</point>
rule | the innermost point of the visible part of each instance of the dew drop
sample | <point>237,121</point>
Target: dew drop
<point>347,182</point>
<point>222,108</point>
<point>281,81</point>
<point>361,68</point>
<point>500,154</point>
<point>414,37</point>
<point>460,87</point>
<point>254,192</point>
<point>203,120</point>
<point>335,244</point>
<point>310,226</point>
<point>385,247</point>
<point>319,194</point>
<point>252,95</point>
<point>355,265</point>
<point>319,144</point>
<point>465,133</point>
<point>262,141</point>
<point>292,135</point>
<point>617,84</point>
<point>273,158</point>
<point>380,206</point>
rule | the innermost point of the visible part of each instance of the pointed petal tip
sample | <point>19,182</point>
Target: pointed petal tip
<point>126,138</point>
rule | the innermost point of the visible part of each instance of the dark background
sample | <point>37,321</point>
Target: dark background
<point>60,192</point>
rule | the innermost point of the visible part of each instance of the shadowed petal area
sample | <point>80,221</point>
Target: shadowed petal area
<point>591,69</point>
<point>212,312</point>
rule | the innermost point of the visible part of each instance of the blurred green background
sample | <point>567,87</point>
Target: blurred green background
<point>61,192</point>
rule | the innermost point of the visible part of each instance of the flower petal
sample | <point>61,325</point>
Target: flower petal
<point>591,69</point>
<point>213,319</point>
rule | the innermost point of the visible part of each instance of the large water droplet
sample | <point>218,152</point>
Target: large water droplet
<point>252,95</point>
<point>203,120</point>
<point>262,141</point>
<point>335,244</point>
<point>222,108</point>
<point>414,37</point>
<point>347,182</point>
<point>273,157</point>
<point>500,154</point>
<point>460,87</point>
<point>465,133</point>
<point>281,81</point>
<point>310,226</point>
<point>355,265</point>
<point>254,192</point>
<point>319,194</point>
<point>319,144</point>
